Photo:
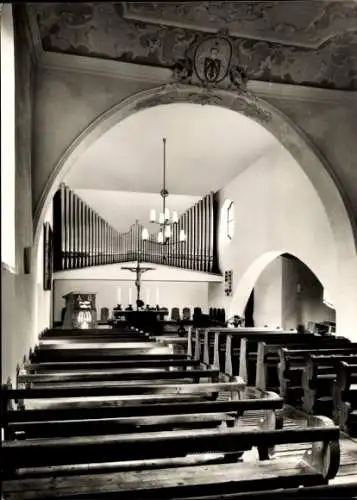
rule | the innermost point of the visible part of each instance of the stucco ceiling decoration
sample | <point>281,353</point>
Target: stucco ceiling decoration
<point>312,43</point>
<point>302,24</point>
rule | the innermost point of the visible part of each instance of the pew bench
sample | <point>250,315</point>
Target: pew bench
<point>29,424</point>
<point>87,332</point>
<point>345,397</point>
<point>210,345</point>
<point>64,379</point>
<point>320,463</point>
<point>60,395</point>
<point>318,380</point>
<point>175,361</point>
<point>292,366</point>
<point>99,352</point>
<point>94,340</point>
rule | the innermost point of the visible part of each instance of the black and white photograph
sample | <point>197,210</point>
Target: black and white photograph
<point>178,250</point>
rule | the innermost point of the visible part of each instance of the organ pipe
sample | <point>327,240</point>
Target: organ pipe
<point>83,238</point>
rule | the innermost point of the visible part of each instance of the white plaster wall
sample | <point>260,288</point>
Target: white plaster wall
<point>267,296</point>
<point>71,100</point>
<point>276,210</point>
<point>115,271</point>
<point>8,251</point>
<point>17,288</point>
<point>166,293</point>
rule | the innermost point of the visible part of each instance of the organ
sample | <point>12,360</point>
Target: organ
<point>82,238</point>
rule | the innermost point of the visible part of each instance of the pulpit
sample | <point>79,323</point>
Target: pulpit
<point>80,311</point>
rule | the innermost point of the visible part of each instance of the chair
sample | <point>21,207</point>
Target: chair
<point>104,314</point>
<point>186,313</point>
<point>175,314</point>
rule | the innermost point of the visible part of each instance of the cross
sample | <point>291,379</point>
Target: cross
<point>139,270</point>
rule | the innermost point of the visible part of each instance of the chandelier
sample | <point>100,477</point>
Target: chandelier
<point>166,220</point>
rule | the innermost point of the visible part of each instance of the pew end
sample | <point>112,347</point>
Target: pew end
<point>324,456</point>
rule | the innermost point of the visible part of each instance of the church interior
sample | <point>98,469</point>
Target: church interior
<point>178,250</point>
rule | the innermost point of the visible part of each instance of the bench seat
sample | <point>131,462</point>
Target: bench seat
<point>167,483</point>
<point>81,427</point>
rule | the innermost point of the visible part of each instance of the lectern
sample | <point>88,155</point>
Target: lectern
<point>80,311</point>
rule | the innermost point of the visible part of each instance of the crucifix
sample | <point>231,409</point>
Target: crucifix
<point>139,270</point>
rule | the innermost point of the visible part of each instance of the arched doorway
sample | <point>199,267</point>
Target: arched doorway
<point>287,294</point>
<point>268,117</point>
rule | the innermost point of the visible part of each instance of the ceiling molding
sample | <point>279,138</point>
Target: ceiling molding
<point>301,92</point>
<point>158,75</point>
<point>105,67</point>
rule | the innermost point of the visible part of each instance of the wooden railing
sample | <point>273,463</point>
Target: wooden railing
<point>82,238</point>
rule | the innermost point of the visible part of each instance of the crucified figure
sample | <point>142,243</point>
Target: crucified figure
<point>139,270</point>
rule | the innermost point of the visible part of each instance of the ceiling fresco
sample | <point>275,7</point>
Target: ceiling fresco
<point>311,43</point>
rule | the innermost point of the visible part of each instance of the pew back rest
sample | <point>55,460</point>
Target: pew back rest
<point>323,456</point>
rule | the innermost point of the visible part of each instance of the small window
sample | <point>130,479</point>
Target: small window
<point>230,220</point>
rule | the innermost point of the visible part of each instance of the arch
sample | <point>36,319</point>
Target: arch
<point>255,269</point>
<point>248,280</point>
<point>287,133</point>
<point>314,166</point>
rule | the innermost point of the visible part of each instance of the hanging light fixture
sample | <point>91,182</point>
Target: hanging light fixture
<point>166,220</point>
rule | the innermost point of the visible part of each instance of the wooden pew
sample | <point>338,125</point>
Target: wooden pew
<point>102,361</point>
<point>89,332</point>
<point>236,334</point>
<point>318,380</point>
<point>268,359</point>
<point>103,420</point>
<point>107,336</point>
<point>320,462</point>
<point>94,340</point>
<point>124,390</point>
<point>257,363</point>
<point>291,367</point>
<point>98,352</point>
<point>57,379</point>
<point>345,397</point>
<point>210,346</point>
<point>164,363</point>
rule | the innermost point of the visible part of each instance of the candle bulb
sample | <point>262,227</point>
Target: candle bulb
<point>161,218</point>
<point>152,215</point>
<point>167,214</point>
<point>160,237</point>
<point>167,232</point>
<point>174,217</point>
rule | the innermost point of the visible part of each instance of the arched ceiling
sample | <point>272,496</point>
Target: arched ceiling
<point>207,147</point>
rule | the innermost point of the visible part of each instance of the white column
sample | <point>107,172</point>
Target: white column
<point>130,295</point>
<point>148,295</point>
<point>157,295</point>
<point>119,295</point>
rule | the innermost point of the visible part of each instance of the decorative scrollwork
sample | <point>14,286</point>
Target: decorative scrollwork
<point>211,62</point>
